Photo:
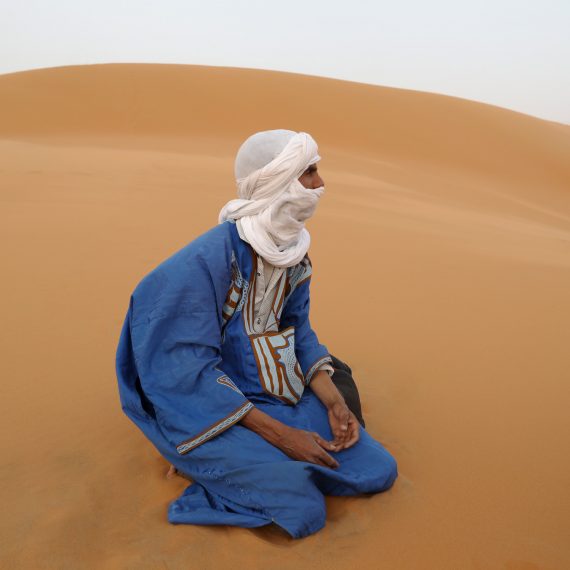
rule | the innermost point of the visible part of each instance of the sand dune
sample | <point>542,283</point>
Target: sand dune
<point>459,339</point>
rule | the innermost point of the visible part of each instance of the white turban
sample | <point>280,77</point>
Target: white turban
<point>273,204</point>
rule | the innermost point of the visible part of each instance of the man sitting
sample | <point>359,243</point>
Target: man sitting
<point>219,367</point>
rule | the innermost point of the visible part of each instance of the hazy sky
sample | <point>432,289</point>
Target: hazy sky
<point>511,53</point>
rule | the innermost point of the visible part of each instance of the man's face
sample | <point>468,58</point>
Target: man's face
<point>310,178</point>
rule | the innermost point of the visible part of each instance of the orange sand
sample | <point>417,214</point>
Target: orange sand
<point>458,337</point>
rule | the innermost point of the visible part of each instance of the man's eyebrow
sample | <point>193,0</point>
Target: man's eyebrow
<point>311,168</point>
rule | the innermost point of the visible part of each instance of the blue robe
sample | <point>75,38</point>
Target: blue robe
<point>190,365</point>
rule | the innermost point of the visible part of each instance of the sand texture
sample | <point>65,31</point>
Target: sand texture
<point>441,254</point>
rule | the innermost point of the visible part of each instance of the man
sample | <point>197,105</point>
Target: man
<point>219,367</point>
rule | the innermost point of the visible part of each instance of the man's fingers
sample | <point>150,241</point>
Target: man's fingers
<point>339,436</point>
<point>341,429</point>
<point>354,435</point>
<point>328,445</point>
<point>344,424</point>
<point>351,442</point>
<point>327,460</point>
<point>322,457</point>
<point>350,437</point>
<point>344,418</point>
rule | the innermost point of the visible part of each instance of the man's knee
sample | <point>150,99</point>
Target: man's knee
<point>377,469</point>
<point>387,469</point>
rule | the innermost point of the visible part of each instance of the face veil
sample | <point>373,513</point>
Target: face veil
<point>273,205</point>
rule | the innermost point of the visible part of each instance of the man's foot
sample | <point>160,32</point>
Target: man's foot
<point>172,472</point>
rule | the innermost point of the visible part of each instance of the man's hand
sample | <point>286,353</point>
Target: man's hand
<point>344,425</point>
<point>307,446</point>
<point>296,443</point>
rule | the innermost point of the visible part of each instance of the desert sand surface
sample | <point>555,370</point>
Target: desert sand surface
<point>441,256</point>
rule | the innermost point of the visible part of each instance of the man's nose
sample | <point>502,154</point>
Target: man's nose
<point>319,182</point>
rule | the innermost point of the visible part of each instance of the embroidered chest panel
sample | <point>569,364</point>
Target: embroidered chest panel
<point>274,350</point>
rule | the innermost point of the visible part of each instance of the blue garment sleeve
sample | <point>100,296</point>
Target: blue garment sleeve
<point>310,353</point>
<point>175,332</point>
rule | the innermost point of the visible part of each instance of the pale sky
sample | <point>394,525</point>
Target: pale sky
<point>510,53</point>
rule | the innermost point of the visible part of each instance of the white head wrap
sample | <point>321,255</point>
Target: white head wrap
<point>273,205</point>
